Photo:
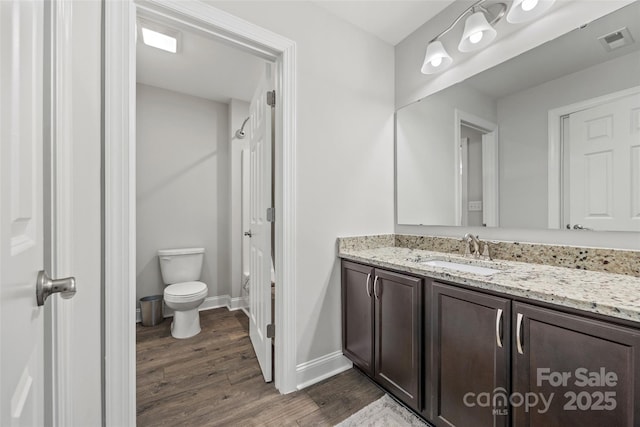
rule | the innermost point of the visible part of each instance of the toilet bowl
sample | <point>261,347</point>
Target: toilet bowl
<point>181,270</point>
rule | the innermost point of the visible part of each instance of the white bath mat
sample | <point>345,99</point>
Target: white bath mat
<point>384,412</point>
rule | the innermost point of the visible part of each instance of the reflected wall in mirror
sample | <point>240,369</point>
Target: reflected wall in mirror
<point>548,139</point>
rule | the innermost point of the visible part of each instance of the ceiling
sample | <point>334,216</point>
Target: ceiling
<point>203,67</point>
<point>207,68</point>
<point>389,20</point>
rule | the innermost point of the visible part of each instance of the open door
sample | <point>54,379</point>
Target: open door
<point>260,169</point>
<point>21,213</point>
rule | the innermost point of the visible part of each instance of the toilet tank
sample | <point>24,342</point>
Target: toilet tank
<point>180,265</point>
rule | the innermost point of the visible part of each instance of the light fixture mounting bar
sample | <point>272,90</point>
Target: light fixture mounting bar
<point>493,16</point>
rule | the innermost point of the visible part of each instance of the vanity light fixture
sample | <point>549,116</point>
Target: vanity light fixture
<point>479,29</point>
<point>477,33</point>
<point>527,10</point>
<point>436,59</point>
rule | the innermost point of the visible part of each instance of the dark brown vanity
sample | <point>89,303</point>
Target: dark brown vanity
<point>461,356</point>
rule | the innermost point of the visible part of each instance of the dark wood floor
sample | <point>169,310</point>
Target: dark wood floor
<point>213,379</point>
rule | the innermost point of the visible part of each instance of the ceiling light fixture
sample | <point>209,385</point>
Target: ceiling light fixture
<point>160,37</point>
<point>479,29</point>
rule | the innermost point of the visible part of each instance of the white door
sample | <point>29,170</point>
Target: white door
<point>260,247</point>
<point>604,166</point>
<point>21,213</point>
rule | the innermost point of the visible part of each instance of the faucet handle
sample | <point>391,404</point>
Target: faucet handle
<point>467,250</point>
<point>485,252</point>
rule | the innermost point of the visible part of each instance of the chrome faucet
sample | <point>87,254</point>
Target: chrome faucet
<point>468,239</point>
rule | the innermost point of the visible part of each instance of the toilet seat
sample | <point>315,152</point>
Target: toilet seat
<point>185,292</point>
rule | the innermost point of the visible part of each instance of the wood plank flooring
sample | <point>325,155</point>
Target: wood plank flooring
<point>213,379</point>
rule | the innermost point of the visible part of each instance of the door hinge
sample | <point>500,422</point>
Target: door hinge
<point>271,330</point>
<point>271,98</point>
<point>271,214</point>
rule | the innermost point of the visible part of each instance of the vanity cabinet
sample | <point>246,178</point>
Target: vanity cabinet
<point>468,358</point>
<point>591,368</point>
<point>470,350</point>
<point>357,315</point>
<point>382,322</point>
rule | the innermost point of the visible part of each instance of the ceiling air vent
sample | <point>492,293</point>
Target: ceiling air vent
<point>616,39</point>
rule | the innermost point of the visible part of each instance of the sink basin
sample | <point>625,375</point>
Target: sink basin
<point>467,268</point>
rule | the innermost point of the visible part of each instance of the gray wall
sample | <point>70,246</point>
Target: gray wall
<point>182,184</point>
<point>523,119</point>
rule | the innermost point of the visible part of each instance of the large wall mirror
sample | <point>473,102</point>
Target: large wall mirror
<point>548,139</point>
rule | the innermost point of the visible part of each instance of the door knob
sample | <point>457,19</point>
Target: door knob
<point>248,233</point>
<point>46,286</point>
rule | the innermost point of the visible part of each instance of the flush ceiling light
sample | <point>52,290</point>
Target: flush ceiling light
<point>479,29</point>
<point>161,38</point>
<point>527,10</point>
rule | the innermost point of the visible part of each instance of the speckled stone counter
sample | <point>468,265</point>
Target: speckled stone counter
<point>582,258</point>
<point>608,294</point>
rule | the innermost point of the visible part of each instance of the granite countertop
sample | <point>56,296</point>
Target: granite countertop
<point>614,295</point>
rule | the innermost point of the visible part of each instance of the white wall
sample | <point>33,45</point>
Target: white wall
<point>182,184</point>
<point>411,86</point>
<point>344,152</point>
<point>426,150</point>
<point>524,134</point>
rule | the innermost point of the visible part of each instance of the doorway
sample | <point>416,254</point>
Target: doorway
<point>119,192</point>
<point>477,171</point>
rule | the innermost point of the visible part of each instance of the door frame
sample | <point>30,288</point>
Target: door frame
<point>120,186</point>
<point>58,207</point>
<point>471,120</point>
<point>556,156</point>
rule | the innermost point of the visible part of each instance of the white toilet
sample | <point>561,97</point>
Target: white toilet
<point>181,270</point>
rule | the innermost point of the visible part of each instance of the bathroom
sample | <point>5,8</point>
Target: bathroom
<point>342,84</point>
<point>190,183</point>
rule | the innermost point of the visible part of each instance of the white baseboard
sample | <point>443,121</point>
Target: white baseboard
<point>319,369</point>
<point>208,304</point>
<point>239,303</point>
<point>215,302</point>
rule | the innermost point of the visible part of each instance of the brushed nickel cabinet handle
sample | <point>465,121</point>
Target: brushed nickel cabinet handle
<point>498,335</point>
<point>368,281</point>
<point>375,287</point>
<point>519,333</point>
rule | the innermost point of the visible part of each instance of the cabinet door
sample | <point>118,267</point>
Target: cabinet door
<point>398,318</point>
<point>357,314</point>
<point>470,357</point>
<point>553,353</point>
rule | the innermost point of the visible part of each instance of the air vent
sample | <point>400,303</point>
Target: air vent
<point>616,39</point>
